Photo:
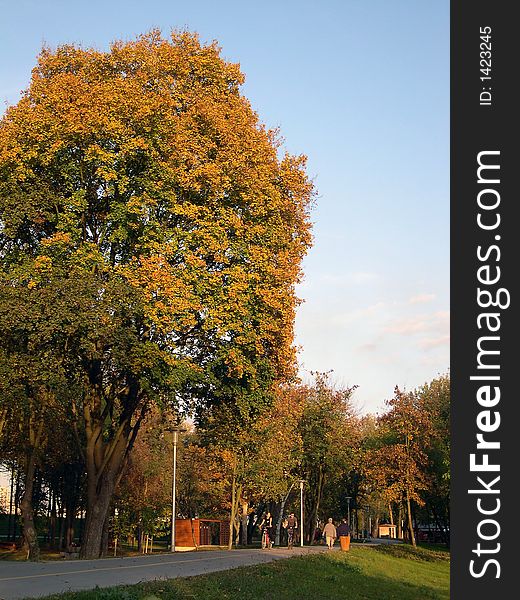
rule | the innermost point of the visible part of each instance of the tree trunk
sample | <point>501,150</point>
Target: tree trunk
<point>243,521</point>
<point>237,530</point>
<point>11,497</point>
<point>101,483</point>
<point>105,534</point>
<point>280,517</point>
<point>62,530</point>
<point>312,517</point>
<point>105,456</point>
<point>3,418</point>
<point>139,536</point>
<point>195,542</point>
<point>279,524</point>
<point>98,504</point>
<point>410,524</point>
<point>251,522</point>
<point>233,509</point>
<point>391,513</point>
<point>375,526</point>
<point>52,520</point>
<point>16,506</point>
<point>69,507</point>
<point>105,461</point>
<point>68,524</point>
<point>30,537</point>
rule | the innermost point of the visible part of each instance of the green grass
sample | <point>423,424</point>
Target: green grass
<point>419,553</point>
<point>436,547</point>
<point>383,573</point>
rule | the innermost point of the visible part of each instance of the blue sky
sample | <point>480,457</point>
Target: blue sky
<point>362,88</point>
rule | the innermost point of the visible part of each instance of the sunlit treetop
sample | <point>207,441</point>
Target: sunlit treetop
<point>143,177</point>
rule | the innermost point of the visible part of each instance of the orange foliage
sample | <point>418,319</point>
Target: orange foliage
<point>150,154</point>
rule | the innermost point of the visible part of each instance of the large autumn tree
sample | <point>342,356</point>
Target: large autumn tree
<point>141,197</point>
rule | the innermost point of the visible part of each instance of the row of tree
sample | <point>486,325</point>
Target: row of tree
<point>394,467</point>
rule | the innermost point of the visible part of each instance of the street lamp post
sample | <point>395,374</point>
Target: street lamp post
<point>176,430</point>
<point>302,481</point>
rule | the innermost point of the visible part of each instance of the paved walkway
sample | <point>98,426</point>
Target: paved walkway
<point>25,579</point>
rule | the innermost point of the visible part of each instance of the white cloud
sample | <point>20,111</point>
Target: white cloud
<point>422,299</point>
<point>429,343</point>
<point>433,322</point>
<point>368,347</point>
<point>359,313</point>
<point>348,279</point>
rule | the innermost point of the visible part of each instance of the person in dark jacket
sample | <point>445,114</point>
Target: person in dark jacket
<point>344,535</point>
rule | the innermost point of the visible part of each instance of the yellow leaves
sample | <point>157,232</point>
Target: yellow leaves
<point>58,239</point>
<point>90,253</point>
<point>96,153</point>
<point>170,302</point>
<point>234,363</point>
<point>43,264</point>
<point>158,173</point>
<point>41,270</point>
<point>54,148</point>
<point>195,261</point>
<point>133,144</point>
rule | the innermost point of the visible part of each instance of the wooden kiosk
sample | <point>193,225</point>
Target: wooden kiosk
<point>192,533</point>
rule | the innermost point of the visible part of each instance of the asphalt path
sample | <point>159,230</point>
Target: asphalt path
<point>32,580</point>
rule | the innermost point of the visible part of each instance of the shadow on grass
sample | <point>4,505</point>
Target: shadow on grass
<point>411,553</point>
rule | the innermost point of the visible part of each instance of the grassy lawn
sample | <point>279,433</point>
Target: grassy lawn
<point>382,573</point>
<point>50,554</point>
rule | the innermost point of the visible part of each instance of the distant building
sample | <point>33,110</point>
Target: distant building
<point>386,530</point>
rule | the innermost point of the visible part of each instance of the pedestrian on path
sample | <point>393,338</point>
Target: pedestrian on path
<point>330,533</point>
<point>343,532</point>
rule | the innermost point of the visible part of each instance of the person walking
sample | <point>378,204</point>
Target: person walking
<point>330,533</point>
<point>343,532</point>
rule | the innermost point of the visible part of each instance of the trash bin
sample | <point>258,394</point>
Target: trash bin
<point>344,541</point>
